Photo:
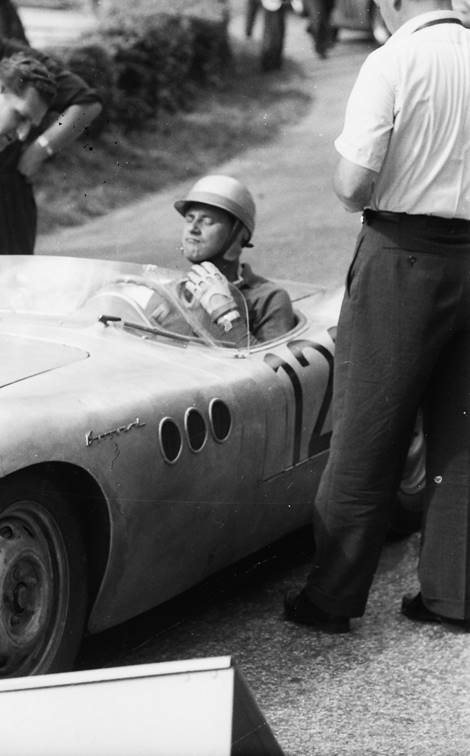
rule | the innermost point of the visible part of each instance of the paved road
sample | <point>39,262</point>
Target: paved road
<point>303,233</point>
<point>45,27</point>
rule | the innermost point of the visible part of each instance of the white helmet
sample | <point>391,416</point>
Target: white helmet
<point>224,192</point>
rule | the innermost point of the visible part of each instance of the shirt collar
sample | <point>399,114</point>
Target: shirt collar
<point>414,23</point>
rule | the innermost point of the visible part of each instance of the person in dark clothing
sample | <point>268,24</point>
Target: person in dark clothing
<point>73,106</point>
<point>404,330</point>
<point>11,25</point>
<point>274,30</point>
<point>319,24</point>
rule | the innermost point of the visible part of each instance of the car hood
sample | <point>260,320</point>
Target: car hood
<point>23,357</point>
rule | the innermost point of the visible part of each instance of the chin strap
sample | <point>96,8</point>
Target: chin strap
<point>236,228</point>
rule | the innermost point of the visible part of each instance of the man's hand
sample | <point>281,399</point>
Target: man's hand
<point>211,290</point>
<point>31,160</point>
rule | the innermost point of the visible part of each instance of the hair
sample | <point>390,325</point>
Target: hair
<point>21,70</point>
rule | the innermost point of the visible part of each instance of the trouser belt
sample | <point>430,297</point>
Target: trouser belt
<point>407,220</point>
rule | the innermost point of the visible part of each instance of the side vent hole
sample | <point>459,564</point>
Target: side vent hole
<point>196,430</point>
<point>170,440</point>
<point>221,419</point>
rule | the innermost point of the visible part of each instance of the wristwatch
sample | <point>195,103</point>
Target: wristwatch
<point>43,142</point>
<point>228,319</point>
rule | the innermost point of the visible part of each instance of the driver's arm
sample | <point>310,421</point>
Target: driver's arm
<point>211,290</point>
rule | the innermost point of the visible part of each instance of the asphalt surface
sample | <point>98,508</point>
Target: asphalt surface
<point>50,26</point>
<point>302,232</point>
<point>390,687</point>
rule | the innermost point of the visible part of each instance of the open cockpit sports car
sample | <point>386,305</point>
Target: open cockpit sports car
<point>141,449</point>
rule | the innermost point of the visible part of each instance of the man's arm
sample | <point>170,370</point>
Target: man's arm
<point>62,132</point>
<point>353,185</point>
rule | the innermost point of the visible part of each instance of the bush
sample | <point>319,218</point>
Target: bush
<point>144,62</point>
<point>94,64</point>
<point>210,10</point>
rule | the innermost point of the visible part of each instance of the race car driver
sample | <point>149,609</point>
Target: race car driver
<point>219,220</point>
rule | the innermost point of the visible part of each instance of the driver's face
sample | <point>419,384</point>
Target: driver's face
<point>206,230</point>
<point>18,113</point>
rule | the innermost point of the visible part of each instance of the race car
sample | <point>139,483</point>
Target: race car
<point>142,449</point>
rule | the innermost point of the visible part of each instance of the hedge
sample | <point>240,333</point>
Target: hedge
<point>144,62</point>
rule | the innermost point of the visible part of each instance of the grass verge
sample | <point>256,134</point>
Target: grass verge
<point>96,176</point>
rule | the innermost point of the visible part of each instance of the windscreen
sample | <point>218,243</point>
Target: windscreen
<point>146,300</point>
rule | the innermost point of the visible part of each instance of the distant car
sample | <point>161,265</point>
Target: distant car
<point>365,15</point>
<point>361,15</point>
<point>141,449</point>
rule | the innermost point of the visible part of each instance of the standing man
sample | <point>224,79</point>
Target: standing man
<point>404,331</point>
<point>35,134</point>
<point>274,30</point>
<point>319,24</point>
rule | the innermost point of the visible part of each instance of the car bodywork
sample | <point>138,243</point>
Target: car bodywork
<point>179,453</point>
<point>141,449</point>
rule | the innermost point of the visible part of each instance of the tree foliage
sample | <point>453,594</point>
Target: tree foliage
<point>145,61</point>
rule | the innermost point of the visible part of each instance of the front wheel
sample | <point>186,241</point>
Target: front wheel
<point>43,580</point>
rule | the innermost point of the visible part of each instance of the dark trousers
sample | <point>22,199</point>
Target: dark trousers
<point>274,31</point>
<point>18,215</point>
<point>403,341</point>
<point>319,14</point>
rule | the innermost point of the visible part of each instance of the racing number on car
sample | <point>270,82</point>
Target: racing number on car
<point>318,441</point>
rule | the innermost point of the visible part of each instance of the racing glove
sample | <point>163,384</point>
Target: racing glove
<point>211,290</point>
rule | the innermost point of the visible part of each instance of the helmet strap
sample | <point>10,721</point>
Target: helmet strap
<point>236,229</point>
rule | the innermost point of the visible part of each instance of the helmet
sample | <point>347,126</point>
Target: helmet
<point>224,192</point>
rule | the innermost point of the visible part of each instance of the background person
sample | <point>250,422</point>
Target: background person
<point>72,108</point>
<point>319,24</point>
<point>403,337</point>
<point>219,220</point>
<point>274,30</point>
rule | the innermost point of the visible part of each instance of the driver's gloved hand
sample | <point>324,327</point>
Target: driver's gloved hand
<point>211,290</point>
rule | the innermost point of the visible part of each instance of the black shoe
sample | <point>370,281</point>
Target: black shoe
<point>413,608</point>
<point>298,608</point>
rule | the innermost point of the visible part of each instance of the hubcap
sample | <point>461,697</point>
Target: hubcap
<point>32,604</point>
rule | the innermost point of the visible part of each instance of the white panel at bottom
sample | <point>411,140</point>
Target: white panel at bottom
<point>171,709</point>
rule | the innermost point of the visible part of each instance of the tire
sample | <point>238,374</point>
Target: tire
<point>379,31</point>
<point>43,578</point>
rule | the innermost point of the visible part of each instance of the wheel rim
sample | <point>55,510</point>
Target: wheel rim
<point>34,593</point>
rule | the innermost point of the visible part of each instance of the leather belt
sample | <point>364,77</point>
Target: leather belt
<point>435,222</point>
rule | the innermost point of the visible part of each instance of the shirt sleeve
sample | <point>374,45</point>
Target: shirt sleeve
<point>369,116</point>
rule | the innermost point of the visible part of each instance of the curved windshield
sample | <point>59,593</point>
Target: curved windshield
<point>143,299</point>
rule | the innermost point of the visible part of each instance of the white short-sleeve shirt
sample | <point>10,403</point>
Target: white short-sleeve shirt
<point>408,118</point>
